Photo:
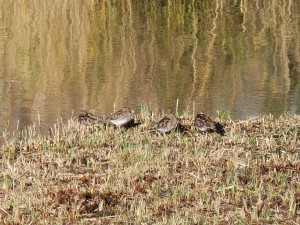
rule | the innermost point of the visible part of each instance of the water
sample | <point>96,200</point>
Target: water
<point>59,57</point>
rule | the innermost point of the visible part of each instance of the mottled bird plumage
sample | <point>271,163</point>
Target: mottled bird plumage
<point>121,117</point>
<point>203,123</point>
<point>167,123</point>
<point>87,117</point>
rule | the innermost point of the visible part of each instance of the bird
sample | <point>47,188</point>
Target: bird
<point>167,123</point>
<point>121,117</point>
<point>203,123</point>
<point>87,117</point>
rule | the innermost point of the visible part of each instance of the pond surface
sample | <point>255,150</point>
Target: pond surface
<point>59,57</point>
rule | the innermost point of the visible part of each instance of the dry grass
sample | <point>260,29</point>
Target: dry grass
<point>87,174</point>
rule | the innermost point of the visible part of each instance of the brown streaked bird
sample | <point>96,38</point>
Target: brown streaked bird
<point>121,117</point>
<point>167,123</point>
<point>87,117</point>
<point>203,123</point>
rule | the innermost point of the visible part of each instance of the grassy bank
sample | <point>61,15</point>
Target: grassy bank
<point>87,174</point>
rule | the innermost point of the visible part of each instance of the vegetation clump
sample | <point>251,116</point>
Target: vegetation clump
<point>101,174</point>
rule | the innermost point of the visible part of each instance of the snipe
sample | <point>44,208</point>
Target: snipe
<point>121,117</point>
<point>203,123</point>
<point>87,117</point>
<point>167,123</point>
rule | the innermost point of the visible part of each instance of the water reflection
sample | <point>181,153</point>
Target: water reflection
<point>64,56</point>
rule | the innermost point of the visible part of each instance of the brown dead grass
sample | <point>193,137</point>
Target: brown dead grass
<point>89,174</point>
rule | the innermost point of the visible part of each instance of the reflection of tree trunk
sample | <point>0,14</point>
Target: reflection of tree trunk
<point>207,70</point>
<point>209,53</point>
<point>281,80</point>
<point>284,57</point>
<point>132,78</point>
<point>194,61</point>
